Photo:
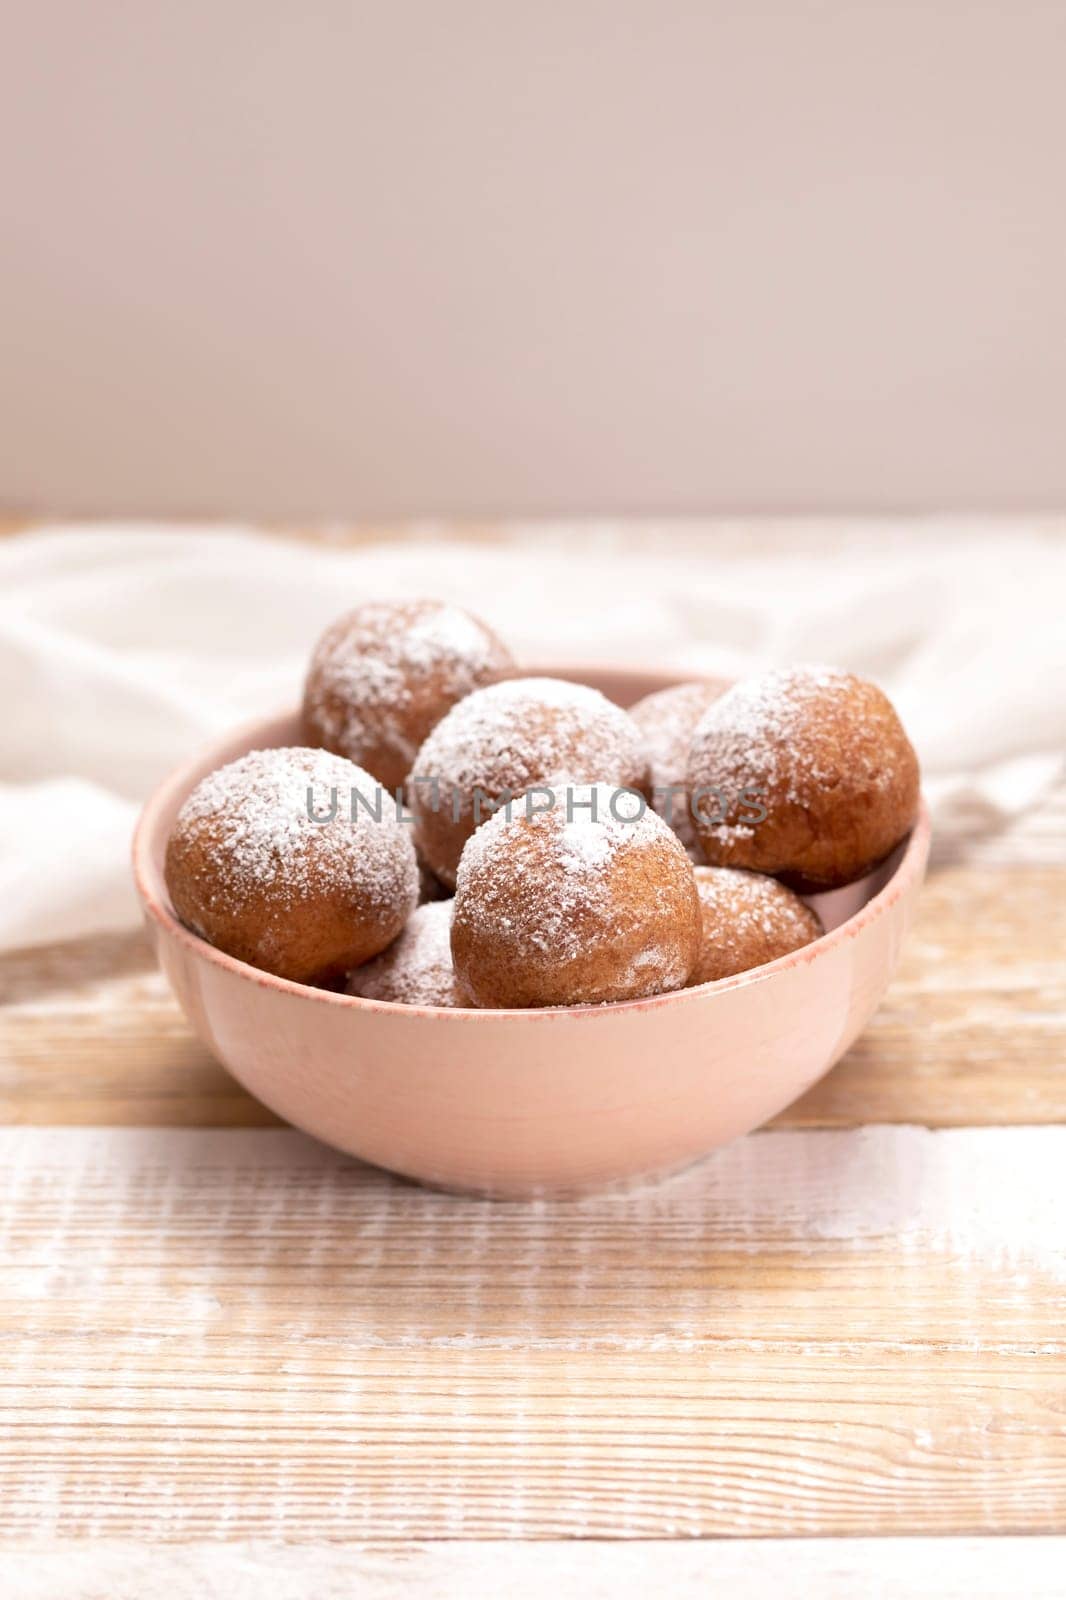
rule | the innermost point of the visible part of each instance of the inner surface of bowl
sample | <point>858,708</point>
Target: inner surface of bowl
<point>519,1102</point>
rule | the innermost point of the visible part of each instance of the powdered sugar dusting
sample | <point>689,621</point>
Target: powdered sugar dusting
<point>416,969</point>
<point>581,846</point>
<point>581,833</point>
<point>254,815</point>
<point>375,668</point>
<point>525,731</point>
<point>544,886</point>
<point>667,721</point>
<point>748,919</point>
<point>776,734</point>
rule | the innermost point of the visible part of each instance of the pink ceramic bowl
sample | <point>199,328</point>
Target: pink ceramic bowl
<point>523,1102</point>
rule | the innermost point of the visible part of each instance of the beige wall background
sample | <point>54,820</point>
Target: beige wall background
<point>313,259</point>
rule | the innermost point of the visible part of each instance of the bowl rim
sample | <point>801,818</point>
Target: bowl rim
<point>151,889</point>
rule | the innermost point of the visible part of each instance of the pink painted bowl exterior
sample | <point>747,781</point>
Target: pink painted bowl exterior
<point>528,1102</point>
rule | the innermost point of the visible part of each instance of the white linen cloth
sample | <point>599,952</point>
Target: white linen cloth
<point>123,648</point>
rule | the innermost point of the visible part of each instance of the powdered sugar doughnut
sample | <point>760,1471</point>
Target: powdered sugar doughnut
<point>416,969</point>
<point>667,720</point>
<point>250,871</point>
<point>384,674</point>
<point>827,758</point>
<point>508,738</point>
<point>558,912</point>
<point>747,920</point>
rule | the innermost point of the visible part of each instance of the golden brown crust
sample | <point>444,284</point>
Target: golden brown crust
<point>747,920</point>
<point>827,757</point>
<point>384,674</point>
<point>507,739</point>
<point>249,872</point>
<point>556,913</point>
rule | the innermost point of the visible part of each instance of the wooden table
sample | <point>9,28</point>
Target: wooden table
<point>848,1327</point>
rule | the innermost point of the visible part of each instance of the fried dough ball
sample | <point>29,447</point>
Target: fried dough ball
<point>384,674</point>
<point>748,919</point>
<point>504,740</point>
<point>558,910</point>
<point>416,969</point>
<point>824,755</point>
<point>250,871</point>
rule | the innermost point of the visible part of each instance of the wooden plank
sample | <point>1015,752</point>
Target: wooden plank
<point>236,1334</point>
<point>766,1569</point>
<point>973,1031</point>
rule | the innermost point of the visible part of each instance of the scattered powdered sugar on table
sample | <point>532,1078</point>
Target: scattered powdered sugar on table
<point>416,969</point>
<point>526,731</point>
<point>253,817</point>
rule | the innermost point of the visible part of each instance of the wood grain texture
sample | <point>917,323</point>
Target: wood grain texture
<point>237,1334</point>
<point>971,1032</point>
